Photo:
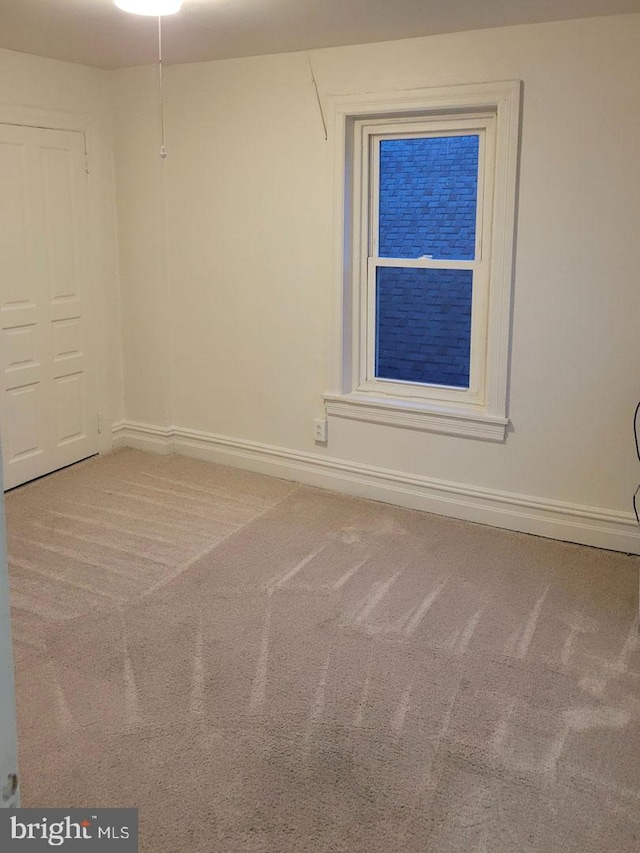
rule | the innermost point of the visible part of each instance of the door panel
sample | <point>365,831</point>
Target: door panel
<point>49,411</point>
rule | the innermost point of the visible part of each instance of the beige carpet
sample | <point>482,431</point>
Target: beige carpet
<point>261,666</point>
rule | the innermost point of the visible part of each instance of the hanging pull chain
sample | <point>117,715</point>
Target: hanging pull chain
<point>163,149</point>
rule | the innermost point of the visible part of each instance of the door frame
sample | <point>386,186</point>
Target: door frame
<point>9,788</point>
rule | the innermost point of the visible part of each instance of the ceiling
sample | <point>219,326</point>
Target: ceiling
<point>94,32</point>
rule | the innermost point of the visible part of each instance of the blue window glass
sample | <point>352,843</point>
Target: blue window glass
<point>423,325</point>
<point>428,197</point>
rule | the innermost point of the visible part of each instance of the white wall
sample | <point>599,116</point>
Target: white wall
<point>32,88</point>
<point>142,246</point>
<point>230,337</point>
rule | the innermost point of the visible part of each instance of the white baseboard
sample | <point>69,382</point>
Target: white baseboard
<point>143,437</point>
<point>117,435</point>
<point>586,525</point>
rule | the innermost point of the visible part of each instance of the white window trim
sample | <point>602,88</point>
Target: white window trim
<point>480,415</point>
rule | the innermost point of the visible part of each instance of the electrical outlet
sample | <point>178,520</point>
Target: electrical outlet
<point>320,429</point>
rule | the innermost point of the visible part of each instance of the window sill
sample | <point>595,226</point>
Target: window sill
<point>418,415</point>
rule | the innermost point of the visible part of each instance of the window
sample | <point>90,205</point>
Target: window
<point>426,218</point>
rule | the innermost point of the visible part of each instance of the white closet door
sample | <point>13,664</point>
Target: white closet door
<point>48,413</point>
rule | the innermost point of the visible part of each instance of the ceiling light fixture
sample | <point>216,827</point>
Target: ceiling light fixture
<point>152,8</point>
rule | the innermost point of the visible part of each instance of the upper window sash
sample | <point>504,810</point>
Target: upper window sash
<point>374,135</point>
